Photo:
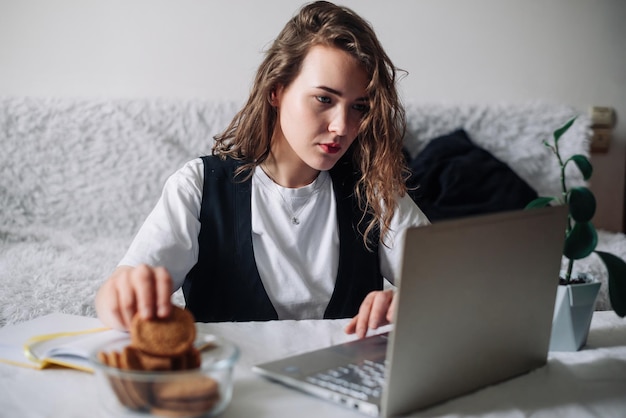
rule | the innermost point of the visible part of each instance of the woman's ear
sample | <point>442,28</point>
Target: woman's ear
<point>274,98</point>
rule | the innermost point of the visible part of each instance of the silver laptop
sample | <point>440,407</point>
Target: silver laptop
<point>475,308</point>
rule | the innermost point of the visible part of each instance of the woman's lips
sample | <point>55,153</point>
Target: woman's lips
<point>331,148</point>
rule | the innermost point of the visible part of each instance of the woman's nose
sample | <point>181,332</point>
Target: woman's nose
<point>339,123</point>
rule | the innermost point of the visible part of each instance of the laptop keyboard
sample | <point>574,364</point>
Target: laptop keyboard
<point>361,381</point>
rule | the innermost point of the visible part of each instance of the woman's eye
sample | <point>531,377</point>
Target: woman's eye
<point>361,107</point>
<point>323,99</point>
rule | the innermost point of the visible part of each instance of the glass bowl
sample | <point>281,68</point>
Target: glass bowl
<point>202,392</point>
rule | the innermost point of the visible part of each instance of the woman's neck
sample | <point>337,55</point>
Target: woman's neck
<point>291,174</point>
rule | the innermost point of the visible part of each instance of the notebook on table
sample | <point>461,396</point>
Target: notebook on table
<point>475,306</point>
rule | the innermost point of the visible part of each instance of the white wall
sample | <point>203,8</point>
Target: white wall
<point>568,51</point>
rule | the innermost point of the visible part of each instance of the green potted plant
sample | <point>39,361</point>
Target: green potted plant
<point>576,294</point>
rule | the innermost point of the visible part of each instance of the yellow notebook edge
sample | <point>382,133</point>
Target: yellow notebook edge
<point>30,365</point>
<point>41,363</point>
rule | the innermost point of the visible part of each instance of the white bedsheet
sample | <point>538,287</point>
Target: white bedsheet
<point>588,383</point>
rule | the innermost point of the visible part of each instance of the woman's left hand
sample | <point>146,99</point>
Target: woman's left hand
<point>376,310</point>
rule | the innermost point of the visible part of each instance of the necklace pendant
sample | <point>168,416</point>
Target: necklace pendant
<point>295,221</point>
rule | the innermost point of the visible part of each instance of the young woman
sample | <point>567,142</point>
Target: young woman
<point>300,210</point>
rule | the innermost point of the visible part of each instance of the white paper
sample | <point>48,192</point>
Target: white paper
<point>71,349</point>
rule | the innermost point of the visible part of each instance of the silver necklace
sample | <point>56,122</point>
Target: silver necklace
<point>294,215</point>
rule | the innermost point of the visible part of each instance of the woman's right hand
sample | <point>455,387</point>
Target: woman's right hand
<point>376,310</point>
<point>129,290</point>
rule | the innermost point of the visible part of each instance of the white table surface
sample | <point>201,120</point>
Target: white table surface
<point>588,383</point>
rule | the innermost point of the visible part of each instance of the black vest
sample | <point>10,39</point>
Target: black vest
<point>225,285</point>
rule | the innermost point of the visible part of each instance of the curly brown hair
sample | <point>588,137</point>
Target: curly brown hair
<point>377,151</point>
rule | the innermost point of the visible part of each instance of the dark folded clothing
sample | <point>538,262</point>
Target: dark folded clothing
<point>452,177</point>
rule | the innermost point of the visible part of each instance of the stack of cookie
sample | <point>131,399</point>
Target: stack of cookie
<point>162,345</point>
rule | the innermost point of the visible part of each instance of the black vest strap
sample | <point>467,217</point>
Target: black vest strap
<point>359,268</point>
<point>225,285</point>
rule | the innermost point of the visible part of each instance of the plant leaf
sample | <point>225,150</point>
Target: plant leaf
<point>559,132</point>
<point>583,164</point>
<point>616,268</point>
<point>581,241</point>
<point>539,202</point>
<point>582,204</point>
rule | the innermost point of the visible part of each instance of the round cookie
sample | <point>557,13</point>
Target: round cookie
<point>171,336</point>
<point>120,385</point>
<point>185,408</point>
<point>129,359</point>
<point>137,391</point>
<point>185,390</point>
<point>153,363</point>
<point>189,397</point>
<point>188,360</point>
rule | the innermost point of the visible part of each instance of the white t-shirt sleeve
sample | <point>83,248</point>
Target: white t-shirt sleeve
<point>407,214</point>
<point>169,235</point>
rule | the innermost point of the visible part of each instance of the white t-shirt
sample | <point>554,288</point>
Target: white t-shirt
<point>297,260</point>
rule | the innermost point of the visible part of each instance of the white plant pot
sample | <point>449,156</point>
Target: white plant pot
<point>573,310</point>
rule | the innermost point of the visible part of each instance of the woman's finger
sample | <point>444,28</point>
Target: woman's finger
<point>362,319</point>
<point>380,307</point>
<point>108,306</point>
<point>351,327</point>
<point>125,297</point>
<point>143,284</point>
<point>392,308</point>
<point>163,292</point>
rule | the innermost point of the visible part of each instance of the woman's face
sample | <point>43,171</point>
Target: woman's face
<point>319,113</point>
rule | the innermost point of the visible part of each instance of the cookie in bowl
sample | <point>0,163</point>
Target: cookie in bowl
<point>164,368</point>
